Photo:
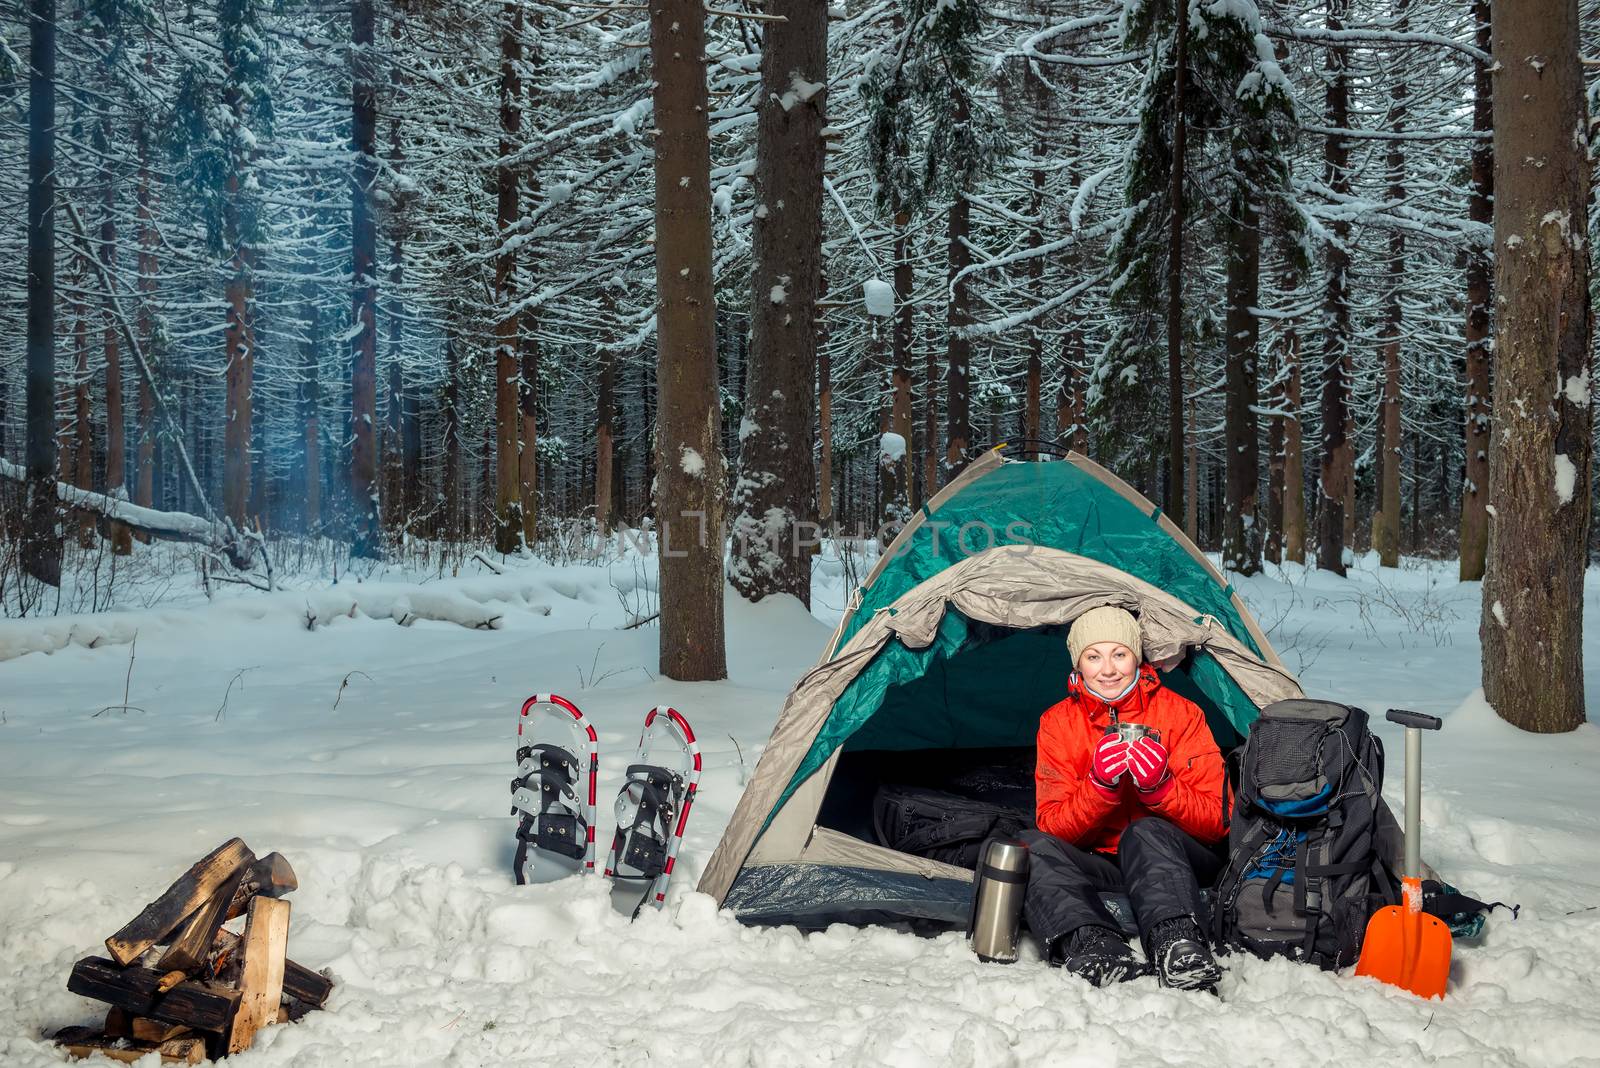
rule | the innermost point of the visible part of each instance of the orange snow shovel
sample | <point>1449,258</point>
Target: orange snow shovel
<point>1405,946</point>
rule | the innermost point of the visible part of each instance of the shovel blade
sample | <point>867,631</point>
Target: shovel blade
<point>1408,949</point>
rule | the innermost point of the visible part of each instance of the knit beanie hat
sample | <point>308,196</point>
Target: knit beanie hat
<point>1104,624</point>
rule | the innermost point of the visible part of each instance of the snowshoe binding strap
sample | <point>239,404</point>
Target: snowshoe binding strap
<point>640,851</point>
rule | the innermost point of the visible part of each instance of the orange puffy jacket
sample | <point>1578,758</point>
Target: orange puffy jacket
<point>1072,808</point>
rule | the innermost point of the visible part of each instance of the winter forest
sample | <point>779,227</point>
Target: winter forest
<point>368,366</point>
<point>393,279</point>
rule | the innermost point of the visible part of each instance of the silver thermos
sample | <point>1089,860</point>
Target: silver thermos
<point>1000,882</point>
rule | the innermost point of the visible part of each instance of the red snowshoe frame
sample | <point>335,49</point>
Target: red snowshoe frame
<point>594,759</point>
<point>691,782</point>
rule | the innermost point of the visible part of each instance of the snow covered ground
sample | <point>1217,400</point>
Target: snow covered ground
<point>376,757</point>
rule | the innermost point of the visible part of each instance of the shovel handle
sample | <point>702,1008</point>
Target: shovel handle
<point>1420,720</point>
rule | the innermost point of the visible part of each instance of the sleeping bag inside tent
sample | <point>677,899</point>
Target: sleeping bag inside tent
<point>954,647</point>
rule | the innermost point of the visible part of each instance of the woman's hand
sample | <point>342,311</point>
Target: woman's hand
<point>1147,766</point>
<point>1109,764</point>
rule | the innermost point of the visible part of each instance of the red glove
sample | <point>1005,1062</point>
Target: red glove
<point>1147,764</point>
<point>1110,761</point>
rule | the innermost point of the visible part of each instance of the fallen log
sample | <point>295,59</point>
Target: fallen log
<point>218,535</point>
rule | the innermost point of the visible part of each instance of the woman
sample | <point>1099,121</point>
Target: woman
<point>1143,817</point>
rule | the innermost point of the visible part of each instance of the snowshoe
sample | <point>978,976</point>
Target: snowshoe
<point>652,808</point>
<point>558,766</point>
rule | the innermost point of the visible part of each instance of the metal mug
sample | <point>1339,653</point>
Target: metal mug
<point>1132,732</point>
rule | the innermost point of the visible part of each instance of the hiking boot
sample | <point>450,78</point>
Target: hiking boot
<point>1098,954</point>
<point>1181,957</point>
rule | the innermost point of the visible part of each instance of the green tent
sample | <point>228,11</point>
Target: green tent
<point>953,647</point>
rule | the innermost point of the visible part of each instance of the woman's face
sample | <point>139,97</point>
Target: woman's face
<point>1107,667</point>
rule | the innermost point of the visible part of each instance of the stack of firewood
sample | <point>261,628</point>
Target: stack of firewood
<point>181,984</point>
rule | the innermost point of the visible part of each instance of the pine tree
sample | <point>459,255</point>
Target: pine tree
<point>1540,463</point>
<point>689,466</point>
<point>774,490</point>
<point>41,548</point>
<point>1474,538</point>
<point>931,138</point>
<point>367,540</point>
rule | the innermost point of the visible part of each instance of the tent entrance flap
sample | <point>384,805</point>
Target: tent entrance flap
<point>988,692</point>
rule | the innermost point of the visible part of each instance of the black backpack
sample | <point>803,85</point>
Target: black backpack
<point>1304,871</point>
<point>939,825</point>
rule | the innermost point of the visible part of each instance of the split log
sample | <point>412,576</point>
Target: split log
<point>299,982</point>
<point>83,1042</point>
<point>188,950</point>
<point>266,941</point>
<point>203,1006</point>
<point>120,1023</point>
<point>271,876</point>
<point>158,1031</point>
<point>192,890</point>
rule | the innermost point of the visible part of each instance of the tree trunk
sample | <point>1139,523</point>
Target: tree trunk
<point>1337,461</point>
<point>648,371</point>
<point>604,444</point>
<point>1294,486</point>
<point>144,491</point>
<point>116,430</point>
<point>825,514</point>
<point>507,373</point>
<point>394,508</point>
<point>1191,477</point>
<point>399,479</point>
<point>411,446</point>
<point>528,345</point>
<point>1039,98</point>
<point>689,465</point>
<point>1176,505</point>
<point>1480,209</point>
<point>310,408</point>
<point>1386,516</point>
<point>367,540</point>
<point>904,324</point>
<point>451,489</point>
<point>1241,533</point>
<point>528,429</point>
<point>41,545</point>
<point>83,422</point>
<point>1273,545</point>
<point>958,433</point>
<point>930,422</point>
<point>260,488</point>
<point>776,476</point>
<point>240,366</point>
<point>1539,467</point>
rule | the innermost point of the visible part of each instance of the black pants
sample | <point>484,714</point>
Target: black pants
<point>1160,867</point>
